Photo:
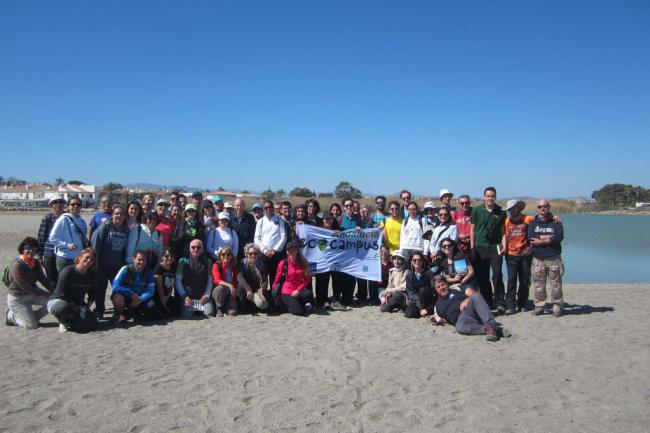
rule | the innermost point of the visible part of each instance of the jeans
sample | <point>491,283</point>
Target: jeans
<point>518,269</point>
<point>476,316</point>
<point>50,269</point>
<point>487,258</point>
<point>296,305</point>
<point>104,275</point>
<point>62,263</point>
<point>20,309</point>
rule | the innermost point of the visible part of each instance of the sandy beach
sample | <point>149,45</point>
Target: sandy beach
<point>353,371</point>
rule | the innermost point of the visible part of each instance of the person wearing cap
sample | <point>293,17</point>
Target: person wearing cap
<point>485,242</point>
<point>445,201</point>
<point>145,237</point>
<point>294,275</point>
<point>45,247</point>
<point>258,212</point>
<point>165,224</point>
<point>228,207</point>
<point>546,234</point>
<point>188,229</point>
<point>243,223</point>
<point>516,248</point>
<point>393,297</point>
<point>24,274</point>
<point>253,280</point>
<point>217,204</point>
<point>270,237</point>
<point>222,236</point>
<point>380,214</point>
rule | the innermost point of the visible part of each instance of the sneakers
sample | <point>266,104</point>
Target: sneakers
<point>336,305</point>
<point>98,314</point>
<point>8,321</point>
<point>219,312</point>
<point>503,332</point>
<point>490,334</point>
<point>231,312</point>
<point>501,309</point>
<point>510,312</point>
<point>63,328</point>
<point>557,310</point>
<point>538,311</point>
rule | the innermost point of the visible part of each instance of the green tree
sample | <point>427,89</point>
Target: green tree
<point>221,188</point>
<point>345,190</point>
<point>325,194</point>
<point>301,192</point>
<point>280,193</point>
<point>59,181</point>
<point>76,182</point>
<point>618,195</point>
<point>268,194</point>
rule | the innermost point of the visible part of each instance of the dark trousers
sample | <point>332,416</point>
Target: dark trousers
<point>272,265</point>
<point>476,316</point>
<point>488,259</point>
<point>518,270</point>
<point>373,289</point>
<point>426,297</point>
<point>322,287</point>
<point>396,301</point>
<point>296,305</point>
<point>362,289</point>
<point>346,288</point>
<point>50,269</point>
<point>105,274</point>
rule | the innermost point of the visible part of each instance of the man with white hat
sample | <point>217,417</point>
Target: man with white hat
<point>45,247</point>
<point>516,248</point>
<point>445,201</point>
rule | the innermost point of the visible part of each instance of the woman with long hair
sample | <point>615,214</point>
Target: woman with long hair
<point>312,207</point>
<point>134,214</point>
<point>457,270</point>
<point>420,292</point>
<point>294,275</point>
<point>165,297</point>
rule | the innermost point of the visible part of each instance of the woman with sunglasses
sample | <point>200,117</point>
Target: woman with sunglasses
<point>24,273</point>
<point>253,280</point>
<point>69,235</point>
<point>420,291</point>
<point>455,267</point>
<point>166,297</point>
<point>224,275</point>
<point>444,229</point>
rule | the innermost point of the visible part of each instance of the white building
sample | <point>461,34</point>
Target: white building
<point>36,195</point>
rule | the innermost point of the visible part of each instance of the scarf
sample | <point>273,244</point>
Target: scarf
<point>30,262</point>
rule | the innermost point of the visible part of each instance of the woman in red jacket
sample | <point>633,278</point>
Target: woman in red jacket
<point>224,275</point>
<point>295,293</point>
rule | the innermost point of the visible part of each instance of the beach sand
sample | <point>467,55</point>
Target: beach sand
<point>354,371</point>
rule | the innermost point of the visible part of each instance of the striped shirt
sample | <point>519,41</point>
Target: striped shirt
<point>45,247</point>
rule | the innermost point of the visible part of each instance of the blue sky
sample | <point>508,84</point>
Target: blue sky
<point>535,98</point>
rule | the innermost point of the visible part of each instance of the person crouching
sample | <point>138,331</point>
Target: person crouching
<point>133,289</point>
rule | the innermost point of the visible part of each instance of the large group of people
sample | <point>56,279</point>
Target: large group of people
<point>195,256</point>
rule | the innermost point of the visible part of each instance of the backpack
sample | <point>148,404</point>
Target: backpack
<point>6,274</point>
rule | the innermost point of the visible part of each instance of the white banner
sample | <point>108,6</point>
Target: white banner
<point>355,252</point>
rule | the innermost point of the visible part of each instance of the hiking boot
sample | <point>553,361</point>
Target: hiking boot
<point>490,334</point>
<point>557,310</point>
<point>327,306</point>
<point>232,312</point>
<point>538,311</point>
<point>99,314</point>
<point>219,312</point>
<point>510,311</point>
<point>501,309</point>
<point>63,328</point>
<point>384,308</point>
<point>336,305</point>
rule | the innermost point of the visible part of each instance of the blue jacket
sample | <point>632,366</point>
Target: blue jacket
<point>129,282</point>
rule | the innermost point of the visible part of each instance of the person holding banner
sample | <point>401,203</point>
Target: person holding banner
<point>323,278</point>
<point>293,273</point>
<point>349,221</point>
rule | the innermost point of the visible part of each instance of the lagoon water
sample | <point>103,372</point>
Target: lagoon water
<point>606,248</point>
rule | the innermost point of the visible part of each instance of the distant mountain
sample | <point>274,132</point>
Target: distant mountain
<point>155,187</point>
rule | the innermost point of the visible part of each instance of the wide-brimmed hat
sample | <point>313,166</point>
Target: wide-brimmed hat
<point>228,205</point>
<point>260,301</point>
<point>444,192</point>
<point>398,253</point>
<point>162,201</point>
<point>224,216</point>
<point>512,203</point>
<point>191,206</point>
<point>429,205</point>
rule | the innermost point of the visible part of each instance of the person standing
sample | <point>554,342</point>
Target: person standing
<point>412,230</point>
<point>243,223</point>
<point>104,214</point>
<point>445,202</point>
<point>546,236</point>
<point>392,227</point>
<point>69,234</point>
<point>222,236</point>
<point>380,214</point>
<point>516,248</point>
<point>405,196</point>
<point>109,242</point>
<point>45,247</point>
<point>186,231</point>
<point>270,237</point>
<point>485,242</point>
<point>165,225</point>
<point>463,223</point>
<point>349,221</point>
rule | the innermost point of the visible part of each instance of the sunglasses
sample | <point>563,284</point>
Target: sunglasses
<point>225,254</point>
<point>75,204</point>
<point>379,203</point>
<point>167,256</point>
<point>445,246</point>
<point>253,254</point>
<point>393,208</point>
<point>268,207</point>
<point>443,215</point>
<point>196,248</point>
<point>417,260</point>
<point>463,203</point>
<point>544,206</point>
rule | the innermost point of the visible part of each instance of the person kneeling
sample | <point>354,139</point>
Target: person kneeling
<point>468,311</point>
<point>294,276</point>
<point>75,283</point>
<point>133,289</point>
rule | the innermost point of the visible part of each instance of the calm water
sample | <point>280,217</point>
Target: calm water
<point>606,248</point>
